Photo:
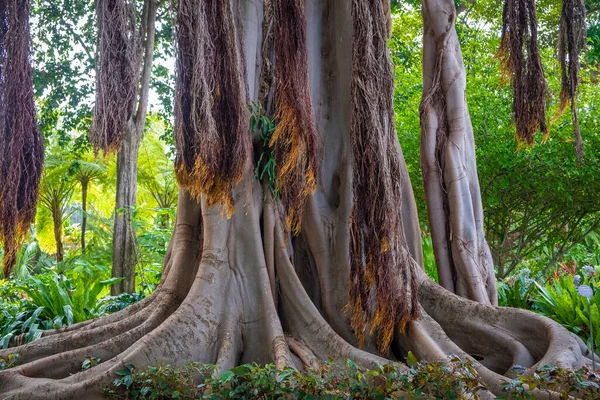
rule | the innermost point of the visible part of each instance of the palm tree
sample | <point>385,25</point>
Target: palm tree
<point>85,172</point>
<point>56,192</point>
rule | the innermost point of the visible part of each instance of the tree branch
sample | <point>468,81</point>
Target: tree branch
<point>77,37</point>
<point>464,6</point>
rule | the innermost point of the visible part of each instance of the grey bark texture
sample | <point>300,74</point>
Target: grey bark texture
<point>452,192</point>
<point>237,290</point>
<point>124,238</point>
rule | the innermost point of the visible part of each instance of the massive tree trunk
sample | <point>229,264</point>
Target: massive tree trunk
<point>124,239</point>
<point>463,258</point>
<point>241,290</point>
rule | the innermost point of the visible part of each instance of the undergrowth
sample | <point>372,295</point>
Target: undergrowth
<point>451,379</point>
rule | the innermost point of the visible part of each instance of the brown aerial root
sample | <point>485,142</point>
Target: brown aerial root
<point>21,146</point>
<point>211,118</point>
<point>572,40</point>
<point>294,141</point>
<point>118,61</point>
<point>380,260</point>
<point>520,60</point>
<point>303,321</point>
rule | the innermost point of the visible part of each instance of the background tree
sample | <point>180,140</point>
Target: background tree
<point>215,303</point>
<point>21,147</point>
<point>85,172</point>
<point>56,192</point>
<point>157,180</point>
<point>124,61</point>
<point>529,196</point>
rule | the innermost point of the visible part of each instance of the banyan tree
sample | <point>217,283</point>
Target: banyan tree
<point>327,261</point>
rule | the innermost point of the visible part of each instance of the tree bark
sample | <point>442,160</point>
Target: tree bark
<point>57,221</point>
<point>452,192</point>
<point>238,290</point>
<point>84,191</point>
<point>124,237</point>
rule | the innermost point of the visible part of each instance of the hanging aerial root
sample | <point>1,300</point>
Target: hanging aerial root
<point>211,118</point>
<point>383,289</point>
<point>573,33</point>
<point>519,56</point>
<point>117,68</point>
<point>306,324</point>
<point>294,141</point>
<point>21,146</point>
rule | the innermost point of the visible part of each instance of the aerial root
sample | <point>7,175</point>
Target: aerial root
<point>546,341</point>
<point>305,323</point>
<point>308,358</point>
<point>231,346</point>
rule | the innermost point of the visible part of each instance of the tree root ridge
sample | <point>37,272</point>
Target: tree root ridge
<point>235,291</point>
<point>247,327</point>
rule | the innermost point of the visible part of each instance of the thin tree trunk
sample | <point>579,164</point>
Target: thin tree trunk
<point>124,237</point>
<point>57,222</point>
<point>84,191</point>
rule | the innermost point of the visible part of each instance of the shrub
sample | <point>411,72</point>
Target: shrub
<point>111,304</point>
<point>558,299</point>
<point>581,384</point>
<point>424,380</point>
<point>18,315</point>
<point>49,301</point>
<point>66,301</point>
<point>451,379</point>
<point>517,290</point>
<point>9,362</point>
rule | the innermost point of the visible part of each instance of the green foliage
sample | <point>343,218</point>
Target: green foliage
<point>10,361</point>
<point>580,384</point>
<point>452,379</point>
<point>517,290</point>
<point>24,324</point>
<point>558,299</point>
<point>90,362</point>
<point>266,166</point>
<point>66,301</point>
<point>30,259</point>
<point>165,382</point>
<point>429,258</point>
<point>18,315</point>
<point>111,304</point>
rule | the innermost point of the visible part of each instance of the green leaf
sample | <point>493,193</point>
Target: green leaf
<point>411,360</point>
